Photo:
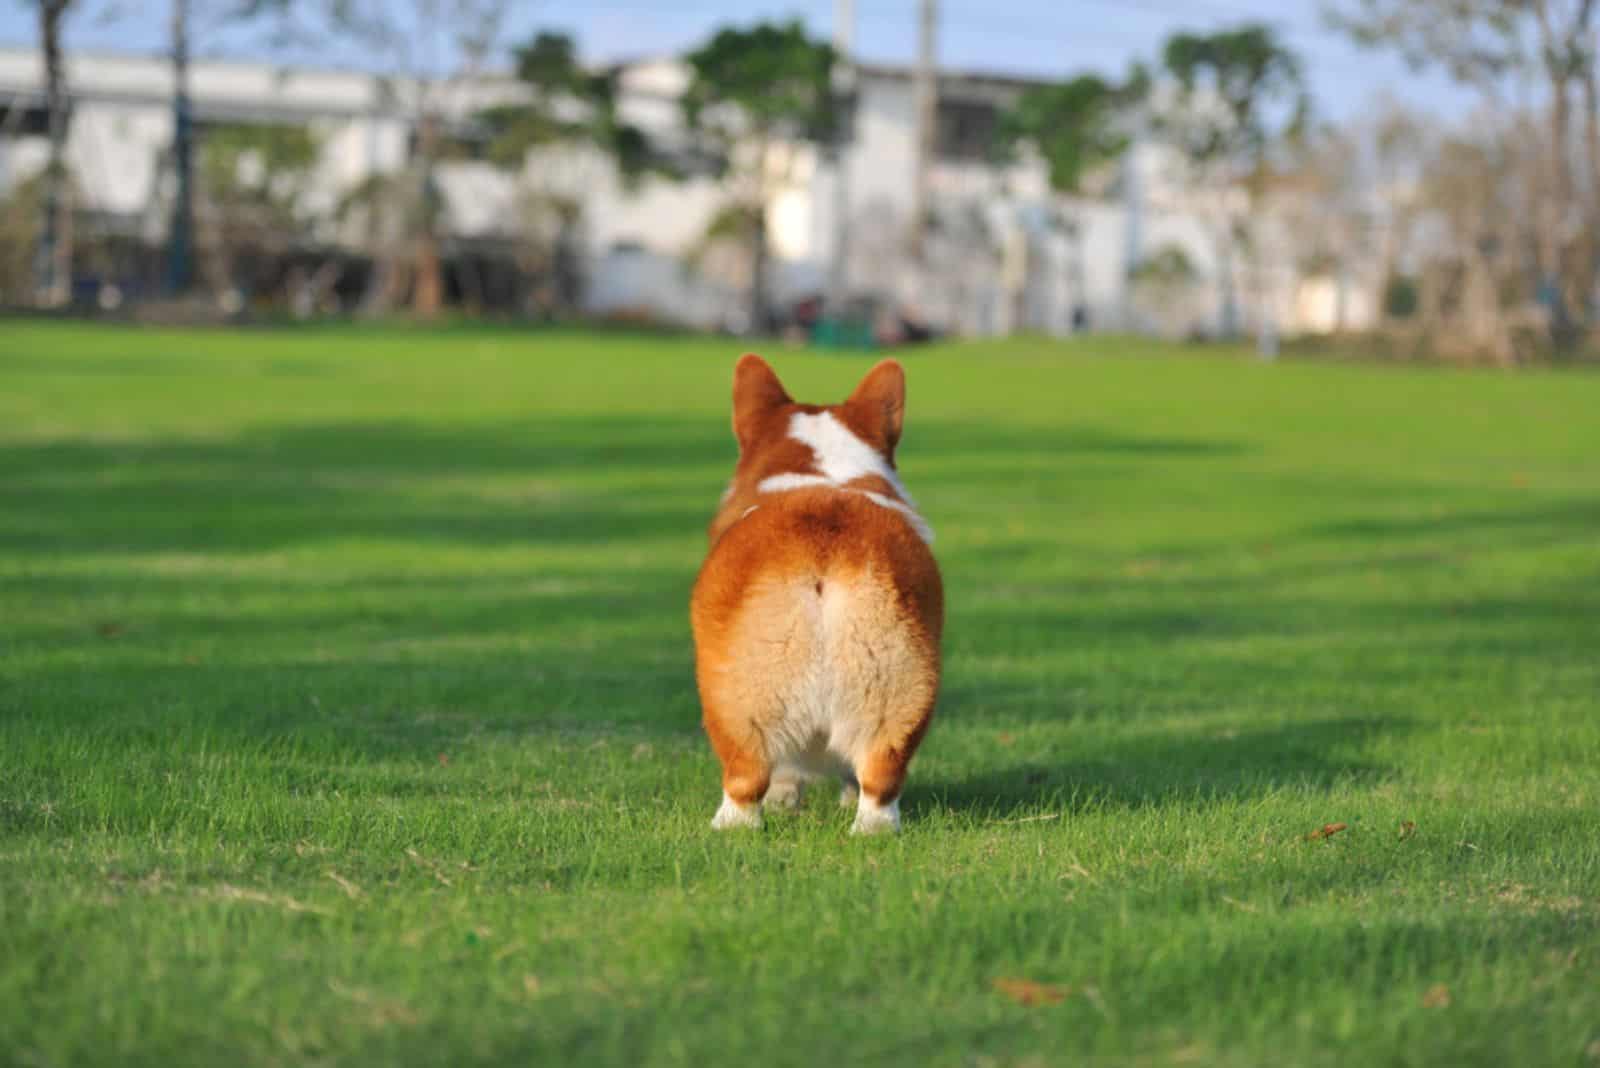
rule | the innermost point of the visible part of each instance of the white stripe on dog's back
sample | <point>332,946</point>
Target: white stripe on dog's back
<point>841,457</point>
<point>779,483</point>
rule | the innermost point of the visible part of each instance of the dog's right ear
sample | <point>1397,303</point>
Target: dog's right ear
<point>757,393</point>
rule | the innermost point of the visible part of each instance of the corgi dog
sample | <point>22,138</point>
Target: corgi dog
<point>818,612</point>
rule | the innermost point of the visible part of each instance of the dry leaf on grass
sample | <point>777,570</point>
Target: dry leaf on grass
<point>351,890</point>
<point>1327,830</point>
<point>225,892</point>
<point>1407,829</point>
<point>1437,996</point>
<point>1029,992</point>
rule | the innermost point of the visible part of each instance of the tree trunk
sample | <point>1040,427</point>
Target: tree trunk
<point>1486,320</point>
<point>1591,214</point>
<point>53,272</point>
<point>1266,296</point>
<point>1228,316</point>
<point>1430,304</point>
<point>1554,252</point>
<point>566,269</point>
<point>758,269</point>
<point>427,290</point>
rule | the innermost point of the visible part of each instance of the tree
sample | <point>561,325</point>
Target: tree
<point>1239,94</point>
<point>753,95</point>
<point>189,20</point>
<point>1401,145</point>
<point>252,190</point>
<point>1165,280</point>
<point>1323,199</point>
<point>1076,128</point>
<point>437,48</point>
<point>565,107</point>
<point>1492,45</point>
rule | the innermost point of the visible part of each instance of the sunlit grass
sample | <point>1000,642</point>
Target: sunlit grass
<point>346,713</point>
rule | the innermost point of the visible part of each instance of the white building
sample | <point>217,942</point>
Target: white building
<point>1002,253</point>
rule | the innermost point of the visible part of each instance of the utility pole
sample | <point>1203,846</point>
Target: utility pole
<point>180,236</point>
<point>927,97</point>
<point>844,79</point>
<point>53,257</point>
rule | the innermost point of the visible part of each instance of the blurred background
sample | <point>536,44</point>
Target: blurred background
<point>1401,178</point>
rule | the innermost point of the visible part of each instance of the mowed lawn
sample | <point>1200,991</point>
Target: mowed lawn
<point>347,714</point>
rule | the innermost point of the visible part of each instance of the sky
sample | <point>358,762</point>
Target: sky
<point>1051,38</point>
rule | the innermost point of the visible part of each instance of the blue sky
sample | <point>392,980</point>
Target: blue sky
<point>1041,37</point>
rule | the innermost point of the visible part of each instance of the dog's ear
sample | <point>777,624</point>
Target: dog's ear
<point>878,406</point>
<point>757,393</point>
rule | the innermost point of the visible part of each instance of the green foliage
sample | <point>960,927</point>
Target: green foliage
<point>1076,126</point>
<point>567,104</point>
<point>736,222</point>
<point>1475,41</point>
<point>768,80</point>
<point>347,713</point>
<point>390,202</point>
<point>1242,90</point>
<point>747,88</point>
<point>256,176</point>
<point>1169,265</point>
<point>549,63</point>
<point>21,208</point>
<point>276,148</point>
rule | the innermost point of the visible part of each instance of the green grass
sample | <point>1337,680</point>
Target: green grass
<point>347,716</point>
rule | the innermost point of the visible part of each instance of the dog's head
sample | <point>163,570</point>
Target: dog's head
<point>785,445</point>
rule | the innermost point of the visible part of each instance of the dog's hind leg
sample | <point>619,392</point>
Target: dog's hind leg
<point>746,774</point>
<point>881,772</point>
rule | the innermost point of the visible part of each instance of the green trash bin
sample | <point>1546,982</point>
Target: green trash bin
<point>831,332</point>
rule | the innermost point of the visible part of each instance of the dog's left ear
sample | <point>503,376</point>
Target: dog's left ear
<point>757,393</point>
<point>878,406</point>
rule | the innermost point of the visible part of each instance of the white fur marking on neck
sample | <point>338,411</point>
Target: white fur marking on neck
<point>779,483</point>
<point>919,524</point>
<point>843,458</point>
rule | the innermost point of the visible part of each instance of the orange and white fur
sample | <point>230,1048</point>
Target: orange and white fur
<point>818,612</point>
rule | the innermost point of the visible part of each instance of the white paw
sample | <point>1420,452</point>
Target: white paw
<point>849,794</point>
<point>732,814</point>
<point>873,818</point>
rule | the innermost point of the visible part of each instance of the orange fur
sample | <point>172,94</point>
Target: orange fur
<point>818,612</point>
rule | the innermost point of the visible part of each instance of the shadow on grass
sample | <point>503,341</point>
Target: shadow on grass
<point>600,644</point>
<point>571,480</point>
<point>1144,768</point>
